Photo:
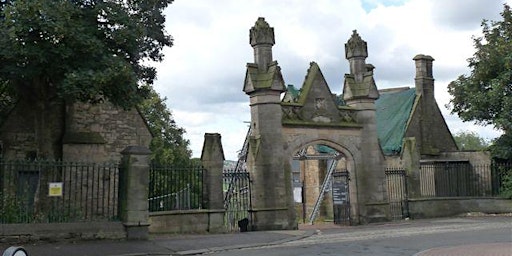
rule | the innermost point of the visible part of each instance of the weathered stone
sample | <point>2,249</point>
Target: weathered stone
<point>212,158</point>
<point>133,192</point>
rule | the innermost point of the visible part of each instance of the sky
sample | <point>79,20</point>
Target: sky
<point>202,74</point>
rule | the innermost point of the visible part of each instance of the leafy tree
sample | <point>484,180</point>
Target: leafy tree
<point>168,145</point>
<point>61,51</point>
<point>470,141</point>
<point>485,95</point>
<point>7,100</point>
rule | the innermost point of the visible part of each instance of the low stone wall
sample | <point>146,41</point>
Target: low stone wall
<point>189,221</point>
<point>451,206</point>
<point>61,231</point>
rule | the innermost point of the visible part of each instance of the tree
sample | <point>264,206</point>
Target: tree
<point>168,145</point>
<point>470,141</point>
<point>57,52</point>
<point>485,95</point>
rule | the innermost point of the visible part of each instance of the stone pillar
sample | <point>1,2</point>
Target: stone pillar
<point>272,193</point>
<point>212,158</point>
<point>411,160</point>
<point>133,191</point>
<point>360,92</point>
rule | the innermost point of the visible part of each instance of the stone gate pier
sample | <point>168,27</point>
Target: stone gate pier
<point>283,127</point>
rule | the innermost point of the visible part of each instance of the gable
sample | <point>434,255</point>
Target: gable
<point>314,103</point>
<point>429,127</point>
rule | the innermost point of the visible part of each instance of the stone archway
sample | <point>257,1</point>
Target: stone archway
<point>312,193</point>
<point>281,126</point>
<point>320,178</point>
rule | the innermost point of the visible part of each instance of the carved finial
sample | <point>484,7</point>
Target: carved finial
<point>261,33</point>
<point>356,47</point>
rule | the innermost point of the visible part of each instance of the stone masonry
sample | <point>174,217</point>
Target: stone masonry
<point>282,129</point>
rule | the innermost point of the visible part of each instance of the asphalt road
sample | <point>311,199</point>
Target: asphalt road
<point>395,239</point>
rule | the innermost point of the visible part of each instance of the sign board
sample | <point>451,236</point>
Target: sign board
<point>55,189</point>
<point>339,192</point>
<point>297,194</point>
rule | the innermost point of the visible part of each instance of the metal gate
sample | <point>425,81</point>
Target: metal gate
<point>341,198</point>
<point>397,193</point>
<point>237,199</point>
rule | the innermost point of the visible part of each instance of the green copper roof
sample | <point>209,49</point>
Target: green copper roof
<point>393,111</point>
<point>292,94</point>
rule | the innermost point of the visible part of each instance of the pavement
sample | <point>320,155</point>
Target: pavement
<point>207,243</point>
<point>163,244</point>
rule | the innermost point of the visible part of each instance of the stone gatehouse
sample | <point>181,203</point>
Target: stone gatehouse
<point>295,136</point>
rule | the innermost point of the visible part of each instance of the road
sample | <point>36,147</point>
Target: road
<point>394,239</point>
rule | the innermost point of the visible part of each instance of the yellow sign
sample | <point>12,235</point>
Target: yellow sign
<point>55,189</point>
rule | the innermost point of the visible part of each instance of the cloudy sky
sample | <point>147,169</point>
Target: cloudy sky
<point>203,73</point>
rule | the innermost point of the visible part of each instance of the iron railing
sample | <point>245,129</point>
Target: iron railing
<point>238,184</point>
<point>448,179</point>
<point>54,191</point>
<point>175,188</point>
<point>396,181</point>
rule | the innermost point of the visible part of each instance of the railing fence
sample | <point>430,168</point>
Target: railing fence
<point>396,181</point>
<point>461,179</point>
<point>175,188</point>
<point>237,188</point>
<point>53,191</point>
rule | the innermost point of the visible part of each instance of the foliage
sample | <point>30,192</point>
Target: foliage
<point>485,95</point>
<point>470,141</point>
<point>12,210</point>
<point>7,100</point>
<point>54,52</point>
<point>84,50</point>
<point>506,187</point>
<point>505,172</point>
<point>501,149</point>
<point>168,145</point>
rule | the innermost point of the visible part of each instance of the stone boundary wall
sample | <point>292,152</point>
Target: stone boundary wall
<point>187,222</point>
<point>451,206</point>
<point>61,231</point>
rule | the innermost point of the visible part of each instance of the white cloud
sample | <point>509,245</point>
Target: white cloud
<point>202,74</point>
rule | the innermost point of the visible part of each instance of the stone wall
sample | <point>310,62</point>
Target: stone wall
<point>447,207</point>
<point>18,132</point>
<point>61,231</point>
<point>474,157</point>
<point>87,133</point>
<point>100,132</point>
<point>183,222</point>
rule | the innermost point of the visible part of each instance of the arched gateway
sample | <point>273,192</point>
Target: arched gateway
<point>283,127</point>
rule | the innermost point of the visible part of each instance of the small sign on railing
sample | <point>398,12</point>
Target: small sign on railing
<point>55,189</point>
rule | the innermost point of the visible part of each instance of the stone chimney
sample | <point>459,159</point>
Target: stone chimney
<point>424,80</point>
<point>261,38</point>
